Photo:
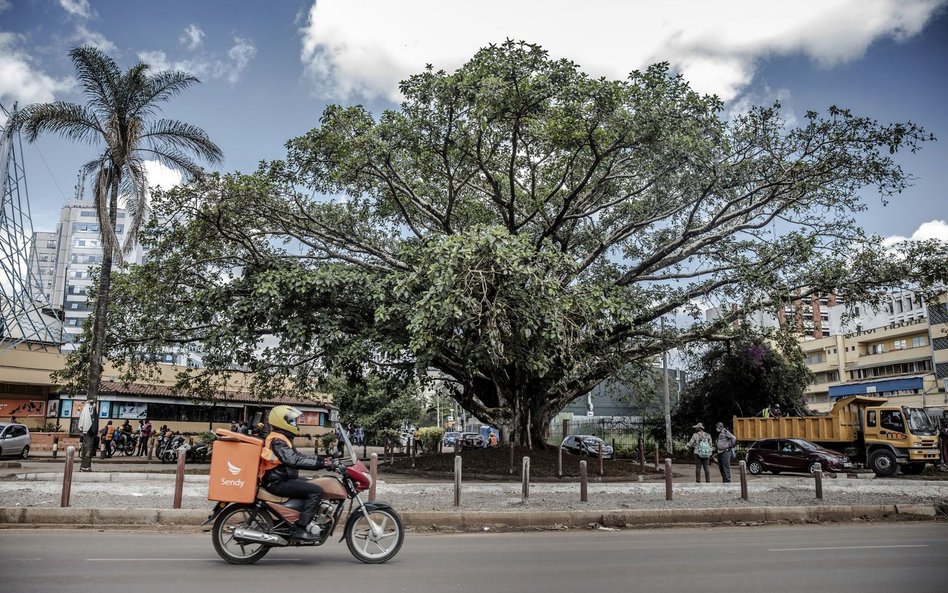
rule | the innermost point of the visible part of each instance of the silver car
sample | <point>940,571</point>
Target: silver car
<point>14,440</point>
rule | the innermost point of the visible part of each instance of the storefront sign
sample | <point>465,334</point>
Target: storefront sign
<point>22,408</point>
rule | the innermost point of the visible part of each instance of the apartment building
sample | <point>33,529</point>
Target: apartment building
<point>938,331</point>
<point>893,361</point>
<point>42,262</point>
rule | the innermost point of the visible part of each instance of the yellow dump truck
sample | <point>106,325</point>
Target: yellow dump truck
<point>884,437</point>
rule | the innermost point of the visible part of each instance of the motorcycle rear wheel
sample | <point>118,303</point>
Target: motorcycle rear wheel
<point>375,550</point>
<point>232,550</point>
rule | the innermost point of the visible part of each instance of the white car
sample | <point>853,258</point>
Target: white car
<point>14,440</point>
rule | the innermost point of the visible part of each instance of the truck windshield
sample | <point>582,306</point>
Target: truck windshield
<point>919,422</point>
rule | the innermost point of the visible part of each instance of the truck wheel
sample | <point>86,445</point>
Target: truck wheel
<point>883,463</point>
<point>913,469</point>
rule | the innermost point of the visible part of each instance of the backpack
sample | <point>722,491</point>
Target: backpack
<point>703,449</point>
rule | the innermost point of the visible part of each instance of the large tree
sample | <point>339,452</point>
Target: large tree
<point>741,377</point>
<point>119,117</point>
<point>520,228</point>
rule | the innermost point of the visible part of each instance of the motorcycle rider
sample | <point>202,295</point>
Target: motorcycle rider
<point>281,462</point>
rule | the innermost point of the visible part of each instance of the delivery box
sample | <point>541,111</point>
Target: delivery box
<point>234,467</point>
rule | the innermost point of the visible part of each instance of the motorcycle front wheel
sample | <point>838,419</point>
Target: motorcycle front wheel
<point>234,551</point>
<point>369,547</point>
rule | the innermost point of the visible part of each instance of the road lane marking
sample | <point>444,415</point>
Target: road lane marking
<point>848,548</point>
<point>170,559</point>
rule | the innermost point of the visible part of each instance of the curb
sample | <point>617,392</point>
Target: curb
<point>13,517</point>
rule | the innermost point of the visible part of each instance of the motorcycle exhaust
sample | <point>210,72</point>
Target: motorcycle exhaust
<point>252,535</point>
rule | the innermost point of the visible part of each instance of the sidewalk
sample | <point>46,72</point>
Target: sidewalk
<point>29,495</point>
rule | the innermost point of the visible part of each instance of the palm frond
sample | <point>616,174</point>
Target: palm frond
<point>136,205</point>
<point>68,120</point>
<point>99,76</point>
<point>100,195</point>
<point>174,159</point>
<point>160,87</point>
<point>180,136</point>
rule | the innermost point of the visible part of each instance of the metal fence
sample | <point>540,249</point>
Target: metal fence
<point>623,431</point>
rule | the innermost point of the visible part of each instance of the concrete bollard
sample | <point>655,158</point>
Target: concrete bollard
<point>67,477</point>
<point>525,476</point>
<point>668,479</point>
<point>511,458</point>
<point>600,459</point>
<point>179,479</point>
<point>412,450</point>
<point>152,440</point>
<point>656,456</point>
<point>742,465</point>
<point>374,472</point>
<point>583,490</point>
<point>55,446</point>
<point>818,477</point>
<point>457,480</point>
<point>559,463</point>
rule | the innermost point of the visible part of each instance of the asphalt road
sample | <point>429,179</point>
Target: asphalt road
<point>810,559</point>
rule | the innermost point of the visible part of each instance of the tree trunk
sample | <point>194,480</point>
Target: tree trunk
<point>529,425</point>
<point>100,319</point>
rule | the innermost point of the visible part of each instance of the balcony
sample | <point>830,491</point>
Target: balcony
<point>892,357</point>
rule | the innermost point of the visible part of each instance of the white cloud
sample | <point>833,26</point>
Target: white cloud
<point>239,56</point>
<point>86,36</point>
<point>20,80</point>
<point>192,38</point>
<point>79,8</point>
<point>767,97</point>
<point>933,229</point>
<point>365,47</point>
<point>4,5</point>
<point>158,175</point>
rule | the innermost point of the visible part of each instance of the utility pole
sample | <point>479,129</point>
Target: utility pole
<point>668,418</point>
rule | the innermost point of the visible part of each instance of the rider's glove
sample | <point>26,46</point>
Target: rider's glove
<point>329,463</point>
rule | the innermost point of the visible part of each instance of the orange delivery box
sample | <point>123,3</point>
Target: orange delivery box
<point>234,466</point>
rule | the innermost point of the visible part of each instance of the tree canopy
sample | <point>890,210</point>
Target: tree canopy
<point>741,377</point>
<point>519,228</point>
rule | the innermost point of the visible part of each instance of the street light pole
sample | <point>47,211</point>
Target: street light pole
<point>668,420</point>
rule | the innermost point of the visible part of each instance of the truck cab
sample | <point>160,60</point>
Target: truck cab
<point>898,437</point>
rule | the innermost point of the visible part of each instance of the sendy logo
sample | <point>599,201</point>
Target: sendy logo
<point>233,468</point>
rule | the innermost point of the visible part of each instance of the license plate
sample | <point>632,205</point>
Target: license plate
<point>847,464</point>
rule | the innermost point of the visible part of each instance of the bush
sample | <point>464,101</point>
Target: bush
<point>52,427</point>
<point>207,437</point>
<point>328,440</point>
<point>429,438</point>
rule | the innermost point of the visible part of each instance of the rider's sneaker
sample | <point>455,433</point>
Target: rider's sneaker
<point>303,534</point>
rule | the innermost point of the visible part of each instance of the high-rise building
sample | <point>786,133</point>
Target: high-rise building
<point>42,262</point>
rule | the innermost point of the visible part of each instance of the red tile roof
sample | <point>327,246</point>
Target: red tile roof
<point>146,390</point>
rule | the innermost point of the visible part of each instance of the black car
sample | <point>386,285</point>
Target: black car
<point>471,440</point>
<point>792,455</point>
<point>587,445</point>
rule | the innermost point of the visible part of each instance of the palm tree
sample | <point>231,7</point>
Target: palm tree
<point>119,115</point>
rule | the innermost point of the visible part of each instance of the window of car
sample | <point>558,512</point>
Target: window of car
<point>766,445</point>
<point>871,418</point>
<point>19,431</point>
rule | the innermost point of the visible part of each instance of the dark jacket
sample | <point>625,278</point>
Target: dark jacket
<point>291,461</point>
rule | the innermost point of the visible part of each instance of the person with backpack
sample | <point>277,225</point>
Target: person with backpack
<point>701,443</point>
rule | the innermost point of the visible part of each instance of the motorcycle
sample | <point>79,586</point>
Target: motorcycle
<point>244,532</point>
<point>162,442</point>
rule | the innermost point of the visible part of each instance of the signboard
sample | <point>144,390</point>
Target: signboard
<point>309,419</point>
<point>22,408</point>
<point>132,411</point>
<point>65,408</point>
<point>105,408</point>
<point>870,389</point>
<point>52,409</point>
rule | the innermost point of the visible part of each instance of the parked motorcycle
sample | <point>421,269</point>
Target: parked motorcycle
<point>244,532</point>
<point>162,442</point>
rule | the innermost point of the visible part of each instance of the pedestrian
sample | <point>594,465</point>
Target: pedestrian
<point>725,446</point>
<point>12,419</point>
<point>89,429</point>
<point>701,443</point>
<point>145,432</point>
<point>359,435</point>
<point>775,411</point>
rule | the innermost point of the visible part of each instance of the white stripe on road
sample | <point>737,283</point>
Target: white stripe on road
<point>848,548</point>
<point>169,559</point>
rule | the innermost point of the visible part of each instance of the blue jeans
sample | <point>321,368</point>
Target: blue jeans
<point>724,464</point>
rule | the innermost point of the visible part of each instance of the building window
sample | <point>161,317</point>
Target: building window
<point>899,345</point>
<point>876,348</point>
<point>919,341</point>
<point>51,245</point>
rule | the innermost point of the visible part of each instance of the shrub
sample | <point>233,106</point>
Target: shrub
<point>328,440</point>
<point>51,427</point>
<point>429,437</point>
<point>207,437</point>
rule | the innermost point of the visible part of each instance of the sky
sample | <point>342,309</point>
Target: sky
<point>268,68</point>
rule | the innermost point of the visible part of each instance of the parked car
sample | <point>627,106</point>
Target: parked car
<point>451,438</point>
<point>472,440</point>
<point>588,445</point>
<point>14,440</point>
<point>792,455</point>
